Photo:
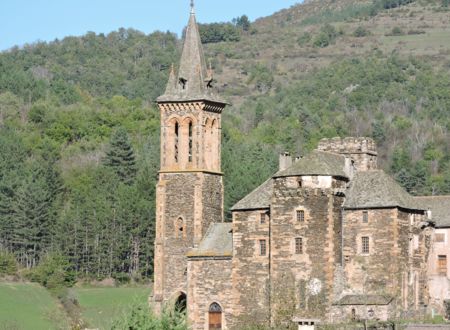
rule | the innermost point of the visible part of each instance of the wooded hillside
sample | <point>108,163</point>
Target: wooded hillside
<point>79,135</point>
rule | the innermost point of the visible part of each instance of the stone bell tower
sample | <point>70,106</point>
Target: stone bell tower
<point>189,194</point>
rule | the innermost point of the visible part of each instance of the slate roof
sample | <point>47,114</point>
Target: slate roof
<point>257,199</point>
<point>374,189</point>
<point>316,163</point>
<point>218,242</point>
<point>364,300</point>
<point>192,71</point>
<point>440,209</point>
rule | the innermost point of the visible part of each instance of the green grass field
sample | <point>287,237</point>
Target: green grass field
<point>29,306</point>
<point>100,306</point>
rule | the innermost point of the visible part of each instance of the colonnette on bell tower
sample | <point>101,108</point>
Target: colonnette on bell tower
<point>190,187</point>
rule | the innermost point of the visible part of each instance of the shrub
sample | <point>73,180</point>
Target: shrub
<point>8,264</point>
<point>54,272</point>
<point>396,31</point>
<point>304,39</point>
<point>140,316</point>
<point>361,32</point>
<point>327,36</point>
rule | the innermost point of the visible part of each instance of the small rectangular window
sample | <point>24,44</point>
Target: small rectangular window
<point>365,245</point>
<point>439,238</point>
<point>442,265</point>
<point>262,218</point>
<point>365,216</point>
<point>299,245</point>
<point>262,247</point>
<point>300,216</point>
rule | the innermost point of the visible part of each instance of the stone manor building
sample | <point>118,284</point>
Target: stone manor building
<point>329,236</point>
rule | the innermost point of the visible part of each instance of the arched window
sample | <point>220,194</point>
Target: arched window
<point>177,133</point>
<point>215,317</point>
<point>190,142</point>
<point>179,228</point>
<point>181,303</point>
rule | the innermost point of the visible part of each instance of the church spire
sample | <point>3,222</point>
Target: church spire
<point>194,80</point>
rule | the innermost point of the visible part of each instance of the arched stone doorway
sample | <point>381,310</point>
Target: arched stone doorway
<point>215,317</point>
<point>181,303</point>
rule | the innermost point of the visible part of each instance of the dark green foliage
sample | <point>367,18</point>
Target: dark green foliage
<point>54,272</point>
<point>261,77</point>
<point>125,62</point>
<point>361,32</point>
<point>120,156</point>
<point>326,36</point>
<point>8,264</point>
<point>217,32</point>
<point>389,4</point>
<point>445,3</point>
<point>242,22</point>
<point>304,39</point>
<point>397,31</point>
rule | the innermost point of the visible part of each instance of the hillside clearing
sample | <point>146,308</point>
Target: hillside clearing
<point>29,306</point>
<point>100,306</point>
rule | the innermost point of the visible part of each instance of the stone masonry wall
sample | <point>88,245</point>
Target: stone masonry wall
<point>394,265</point>
<point>250,270</point>
<point>186,204</point>
<point>303,283</point>
<point>362,150</point>
<point>212,201</point>
<point>209,282</point>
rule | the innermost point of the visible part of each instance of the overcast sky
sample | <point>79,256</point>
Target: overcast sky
<point>27,21</point>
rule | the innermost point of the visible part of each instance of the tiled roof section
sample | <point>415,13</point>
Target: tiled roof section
<point>373,189</point>
<point>439,206</point>
<point>194,80</point>
<point>218,242</point>
<point>364,300</point>
<point>316,163</point>
<point>257,199</point>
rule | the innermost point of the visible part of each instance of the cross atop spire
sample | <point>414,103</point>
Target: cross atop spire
<point>192,7</point>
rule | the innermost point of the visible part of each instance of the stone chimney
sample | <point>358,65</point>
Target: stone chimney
<point>285,161</point>
<point>349,168</point>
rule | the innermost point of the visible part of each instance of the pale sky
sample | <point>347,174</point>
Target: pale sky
<point>27,21</point>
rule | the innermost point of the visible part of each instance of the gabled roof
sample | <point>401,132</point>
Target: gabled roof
<point>364,299</point>
<point>316,163</point>
<point>218,242</point>
<point>439,206</point>
<point>257,199</point>
<point>375,189</point>
<point>194,80</point>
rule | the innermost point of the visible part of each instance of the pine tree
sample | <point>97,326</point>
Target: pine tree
<point>120,156</point>
<point>32,216</point>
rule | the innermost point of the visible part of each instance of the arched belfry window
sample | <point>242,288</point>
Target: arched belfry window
<point>176,142</point>
<point>190,142</point>
<point>215,317</point>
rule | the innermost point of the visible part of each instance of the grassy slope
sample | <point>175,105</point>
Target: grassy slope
<point>29,306</point>
<point>100,306</point>
<point>276,44</point>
